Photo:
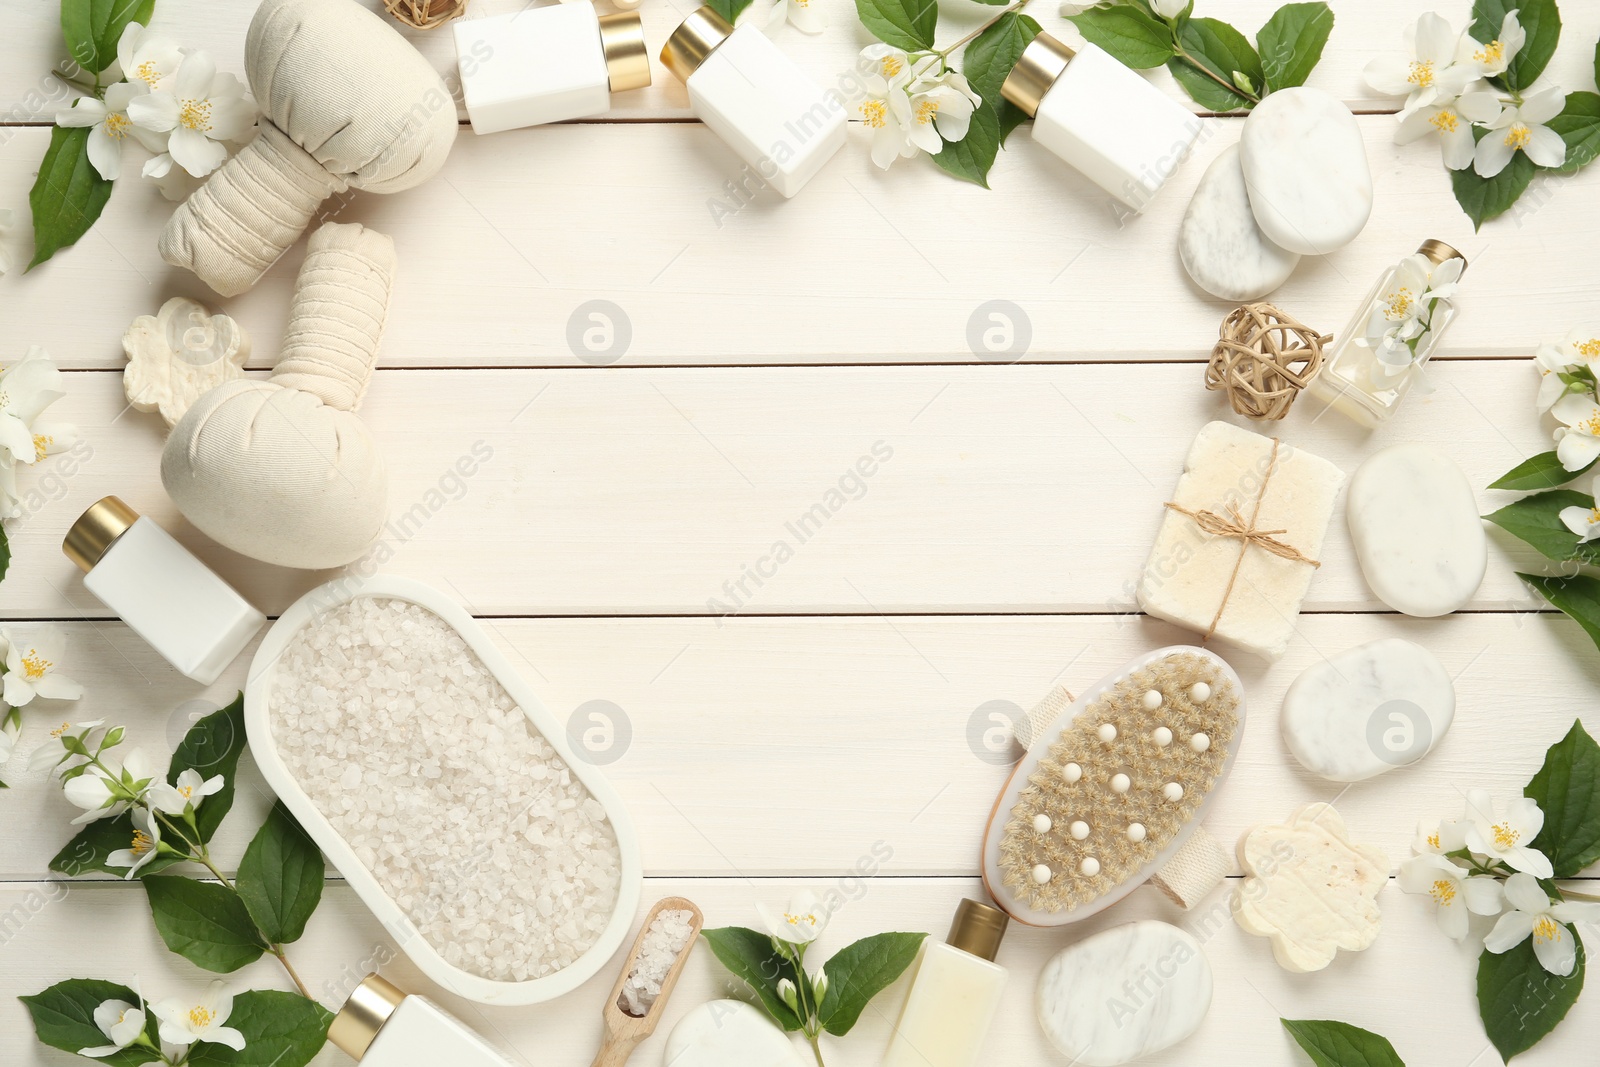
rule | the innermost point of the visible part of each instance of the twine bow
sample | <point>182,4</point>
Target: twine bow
<point>1247,533</point>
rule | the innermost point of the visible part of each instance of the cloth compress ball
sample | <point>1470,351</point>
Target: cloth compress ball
<point>346,103</point>
<point>283,470</point>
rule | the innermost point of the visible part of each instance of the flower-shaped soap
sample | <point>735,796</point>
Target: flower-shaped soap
<point>1310,889</point>
<point>178,354</point>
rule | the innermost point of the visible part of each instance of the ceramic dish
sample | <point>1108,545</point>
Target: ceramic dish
<point>262,745</point>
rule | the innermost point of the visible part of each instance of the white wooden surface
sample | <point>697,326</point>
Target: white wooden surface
<point>987,558</point>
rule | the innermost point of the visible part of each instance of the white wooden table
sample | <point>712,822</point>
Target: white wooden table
<point>991,555</point>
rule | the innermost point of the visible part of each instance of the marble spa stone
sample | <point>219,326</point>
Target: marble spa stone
<point>1305,166</point>
<point>1220,244</point>
<point>1368,710</point>
<point>729,1033</point>
<point>1415,526</point>
<point>1124,993</point>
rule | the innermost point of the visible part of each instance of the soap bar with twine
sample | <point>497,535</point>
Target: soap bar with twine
<point>1239,540</point>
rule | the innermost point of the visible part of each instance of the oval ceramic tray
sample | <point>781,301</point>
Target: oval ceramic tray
<point>424,955</point>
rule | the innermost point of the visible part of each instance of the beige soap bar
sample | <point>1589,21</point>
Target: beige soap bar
<point>1186,577</point>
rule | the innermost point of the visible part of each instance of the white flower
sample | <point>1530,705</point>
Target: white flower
<point>1537,915</point>
<point>145,59</point>
<point>1523,129</point>
<point>191,789</point>
<point>801,924</point>
<point>1585,522</point>
<point>121,1022</point>
<point>8,219</point>
<point>1169,9</point>
<point>201,109</point>
<point>1450,835</point>
<point>31,669</point>
<point>886,110</point>
<point>109,125</point>
<point>102,795</point>
<point>184,1024</point>
<point>1493,58</point>
<point>941,108</point>
<point>1578,440</point>
<point>1507,838</point>
<point>1451,122</point>
<point>146,844</point>
<point>53,753</point>
<point>805,15</point>
<point>26,389</point>
<point>1403,312</point>
<point>1579,350</point>
<point>1454,891</point>
<point>1431,72</point>
<point>10,728</point>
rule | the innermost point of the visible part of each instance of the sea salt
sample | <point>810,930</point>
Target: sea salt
<point>423,763</point>
<point>663,943</point>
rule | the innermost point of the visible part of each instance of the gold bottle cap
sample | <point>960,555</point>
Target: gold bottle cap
<point>363,1015</point>
<point>1040,64</point>
<point>96,531</point>
<point>627,60</point>
<point>693,41</point>
<point>978,929</point>
<point>1438,251</point>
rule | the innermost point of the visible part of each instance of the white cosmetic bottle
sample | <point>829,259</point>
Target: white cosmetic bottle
<point>1123,133</point>
<point>955,991</point>
<point>166,596</point>
<point>547,64</point>
<point>383,1027</point>
<point>753,97</point>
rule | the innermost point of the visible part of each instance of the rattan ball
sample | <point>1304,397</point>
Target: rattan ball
<point>1263,359</point>
<point>425,14</point>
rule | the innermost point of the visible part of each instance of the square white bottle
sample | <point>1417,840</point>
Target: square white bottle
<point>380,1026</point>
<point>1121,132</point>
<point>547,64</point>
<point>752,96</point>
<point>165,595</point>
<point>955,991</point>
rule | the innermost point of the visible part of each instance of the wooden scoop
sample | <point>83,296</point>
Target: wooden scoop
<point>624,1032</point>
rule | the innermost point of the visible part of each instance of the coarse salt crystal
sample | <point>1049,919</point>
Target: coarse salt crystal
<point>663,943</point>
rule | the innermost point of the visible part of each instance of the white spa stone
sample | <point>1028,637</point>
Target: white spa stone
<point>1087,1011</point>
<point>1368,710</point>
<point>729,1033</point>
<point>1220,244</point>
<point>1305,167</point>
<point>1186,575</point>
<point>1415,525</point>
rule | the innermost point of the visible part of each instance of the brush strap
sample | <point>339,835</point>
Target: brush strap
<point>1194,871</point>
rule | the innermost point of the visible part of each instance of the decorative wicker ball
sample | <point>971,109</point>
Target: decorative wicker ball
<point>425,14</point>
<point>1263,359</point>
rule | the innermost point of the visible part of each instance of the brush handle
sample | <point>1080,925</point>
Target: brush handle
<point>615,1051</point>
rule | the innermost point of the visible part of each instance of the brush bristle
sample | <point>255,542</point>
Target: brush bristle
<point>1150,767</point>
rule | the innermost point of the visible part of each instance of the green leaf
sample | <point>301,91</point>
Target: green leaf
<point>973,155</point>
<point>1519,1001</point>
<point>861,971</point>
<point>1222,50</point>
<point>280,877</point>
<point>749,955</point>
<point>1487,198</point>
<point>93,845</point>
<point>989,59</point>
<point>907,24</point>
<point>1578,596</point>
<point>1543,471</point>
<point>1579,126</point>
<point>1334,1044</point>
<point>63,1018</point>
<point>280,1030</point>
<point>5,554</point>
<point>728,9</point>
<point>212,746</point>
<point>1132,36</point>
<point>1291,43</point>
<point>68,195</point>
<point>92,28</point>
<point>1540,20</point>
<point>204,922</point>
<point>1567,789</point>
<point>1536,519</point>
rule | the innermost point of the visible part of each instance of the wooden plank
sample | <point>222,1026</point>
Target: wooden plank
<point>1033,488</point>
<point>28,94</point>
<point>1414,985</point>
<point>508,255</point>
<point>755,747</point>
